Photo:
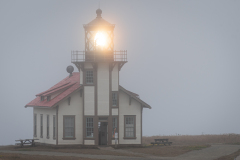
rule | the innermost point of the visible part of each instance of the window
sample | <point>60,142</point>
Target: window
<point>89,127</point>
<point>54,127</point>
<point>41,126</point>
<point>114,99</point>
<point>47,126</point>
<point>89,77</point>
<point>48,98</point>
<point>114,126</point>
<point>35,125</point>
<point>69,127</point>
<point>42,98</point>
<point>129,126</point>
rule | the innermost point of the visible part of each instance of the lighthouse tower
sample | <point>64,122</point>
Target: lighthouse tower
<point>89,107</point>
<point>99,67</point>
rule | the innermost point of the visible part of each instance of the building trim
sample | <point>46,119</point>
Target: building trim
<point>110,65</point>
<point>145,105</point>
<point>83,129</point>
<point>95,119</point>
<point>141,125</point>
<point>57,125</point>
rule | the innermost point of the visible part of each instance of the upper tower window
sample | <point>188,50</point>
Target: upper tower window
<point>89,77</point>
<point>114,99</point>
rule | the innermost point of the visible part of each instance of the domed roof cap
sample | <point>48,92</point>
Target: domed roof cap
<point>98,21</point>
<point>99,12</point>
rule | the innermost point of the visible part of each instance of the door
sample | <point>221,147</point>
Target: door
<point>103,133</point>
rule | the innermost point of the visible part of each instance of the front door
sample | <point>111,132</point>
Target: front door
<point>103,133</point>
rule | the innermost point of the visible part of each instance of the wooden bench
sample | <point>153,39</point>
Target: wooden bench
<point>26,141</point>
<point>161,141</point>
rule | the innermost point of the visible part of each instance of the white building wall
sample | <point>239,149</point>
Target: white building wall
<point>89,142</point>
<point>114,111</point>
<point>113,142</point>
<point>44,112</point>
<point>81,76</point>
<point>88,66</point>
<point>115,78</point>
<point>89,100</point>
<point>75,108</point>
<point>103,88</point>
<point>126,109</point>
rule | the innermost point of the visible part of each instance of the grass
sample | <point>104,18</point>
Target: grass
<point>166,151</point>
<point>197,139</point>
<point>16,156</point>
<point>181,144</point>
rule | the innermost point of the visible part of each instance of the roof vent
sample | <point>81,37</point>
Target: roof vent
<point>70,69</point>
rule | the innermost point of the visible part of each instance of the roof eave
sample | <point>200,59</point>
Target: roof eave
<point>144,104</point>
<point>37,106</point>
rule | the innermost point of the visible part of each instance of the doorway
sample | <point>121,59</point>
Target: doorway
<point>102,133</point>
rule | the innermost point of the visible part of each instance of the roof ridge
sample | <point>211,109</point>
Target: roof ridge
<point>52,89</point>
<point>58,89</point>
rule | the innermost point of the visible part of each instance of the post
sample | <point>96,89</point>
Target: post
<point>116,137</point>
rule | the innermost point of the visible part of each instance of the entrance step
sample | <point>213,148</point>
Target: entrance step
<point>107,148</point>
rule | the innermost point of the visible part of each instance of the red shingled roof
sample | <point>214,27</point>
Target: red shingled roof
<point>65,87</point>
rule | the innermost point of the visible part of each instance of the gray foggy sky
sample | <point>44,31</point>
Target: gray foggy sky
<point>183,59</point>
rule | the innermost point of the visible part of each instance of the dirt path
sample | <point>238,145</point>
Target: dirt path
<point>210,153</point>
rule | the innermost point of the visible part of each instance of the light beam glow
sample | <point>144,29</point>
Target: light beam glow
<point>100,39</point>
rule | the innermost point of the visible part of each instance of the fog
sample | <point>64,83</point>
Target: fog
<point>183,59</point>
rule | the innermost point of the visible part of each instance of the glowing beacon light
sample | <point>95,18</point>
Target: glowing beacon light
<point>100,39</point>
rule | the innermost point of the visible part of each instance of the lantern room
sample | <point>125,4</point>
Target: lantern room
<point>99,34</point>
<point>99,45</point>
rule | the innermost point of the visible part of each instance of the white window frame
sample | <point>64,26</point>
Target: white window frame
<point>47,126</point>
<point>35,125</point>
<point>89,76</point>
<point>114,125</point>
<point>41,125</point>
<point>89,127</point>
<point>69,127</point>
<point>54,126</point>
<point>114,99</point>
<point>130,126</point>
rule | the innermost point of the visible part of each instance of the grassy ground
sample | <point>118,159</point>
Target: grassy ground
<point>181,145</point>
<point>13,156</point>
<point>167,151</point>
<point>67,149</point>
<point>197,139</point>
<point>162,151</point>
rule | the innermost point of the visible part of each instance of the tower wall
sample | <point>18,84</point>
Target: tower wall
<point>115,78</point>
<point>89,100</point>
<point>103,88</point>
